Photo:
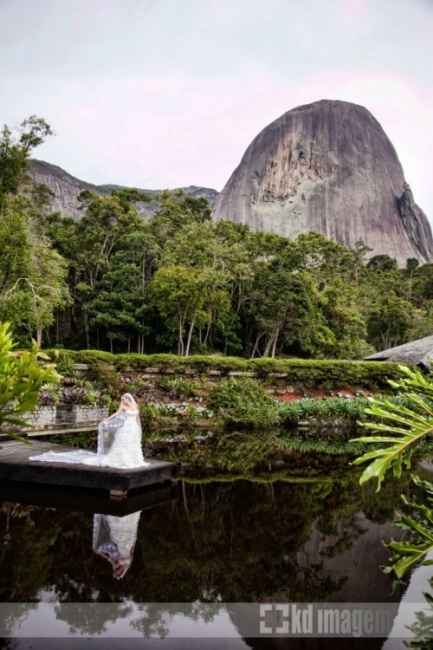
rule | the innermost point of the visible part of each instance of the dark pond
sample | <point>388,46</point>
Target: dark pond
<point>173,562</point>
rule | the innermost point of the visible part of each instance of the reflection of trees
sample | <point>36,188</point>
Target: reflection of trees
<point>154,618</point>
<point>229,542</point>
<point>415,550</point>
<point>153,621</point>
<point>88,620</point>
<point>6,644</point>
<point>24,555</point>
<point>422,628</point>
<point>13,616</point>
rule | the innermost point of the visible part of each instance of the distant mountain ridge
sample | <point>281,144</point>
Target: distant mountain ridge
<point>325,167</point>
<point>66,189</point>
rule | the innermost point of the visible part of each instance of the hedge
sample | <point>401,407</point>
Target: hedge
<point>332,373</point>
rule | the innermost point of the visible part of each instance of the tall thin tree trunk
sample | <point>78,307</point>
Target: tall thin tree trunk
<point>188,342</point>
<point>206,338</point>
<point>39,336</point>
<point>180,342</point>
<point>268,346</point>
<point>86,328</point>
<point>256,345</point>
<point>274,345</point>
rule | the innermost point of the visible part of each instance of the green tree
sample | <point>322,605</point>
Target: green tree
<point>382,263</point>
<point>216,255</point>
<point>176,210</point>
<point>32,273</point>
<point>188,297</point>
<point>120,305</point>
<point>15,152</point>
<point>285,308</point>
<point>109,242</point>
<point>46,284</point>
<point>422,283</point>
<point>22,376</point>
<point>389,321</point>
<point>343,316</point>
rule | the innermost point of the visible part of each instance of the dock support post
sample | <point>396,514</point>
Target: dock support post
<point>118,495</point>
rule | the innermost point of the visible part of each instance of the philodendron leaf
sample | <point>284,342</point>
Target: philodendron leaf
<point>404,421</point>
<point>418,526</point>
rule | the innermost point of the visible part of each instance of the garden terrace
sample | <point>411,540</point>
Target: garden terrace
<point>308,373</point>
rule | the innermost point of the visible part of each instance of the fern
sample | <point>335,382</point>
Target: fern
<point>405,424</point>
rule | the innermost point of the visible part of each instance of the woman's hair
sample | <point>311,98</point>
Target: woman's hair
<point>128,398</point>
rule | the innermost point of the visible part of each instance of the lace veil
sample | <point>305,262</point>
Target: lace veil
<point>107,429</point>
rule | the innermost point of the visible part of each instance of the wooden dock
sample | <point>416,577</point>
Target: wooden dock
<point>16,466</point>
<point>75,499</point>
<point>43,433</point>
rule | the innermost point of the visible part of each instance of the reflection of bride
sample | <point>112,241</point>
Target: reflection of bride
<point>119,441</point>
<point>114,538</point>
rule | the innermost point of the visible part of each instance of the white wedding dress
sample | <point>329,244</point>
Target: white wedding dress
<point>119,445</point>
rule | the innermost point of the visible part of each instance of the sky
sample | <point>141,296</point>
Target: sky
<point>168,93</point>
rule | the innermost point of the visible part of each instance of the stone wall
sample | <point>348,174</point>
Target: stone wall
<point>52,417</point>
<point>150,385</point>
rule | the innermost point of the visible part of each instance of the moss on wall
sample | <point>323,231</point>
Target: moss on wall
<point>309,373</point>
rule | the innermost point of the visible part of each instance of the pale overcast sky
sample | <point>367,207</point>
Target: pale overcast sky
<point>164,93</point>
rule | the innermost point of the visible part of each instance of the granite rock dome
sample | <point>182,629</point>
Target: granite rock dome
<point>328,167</point>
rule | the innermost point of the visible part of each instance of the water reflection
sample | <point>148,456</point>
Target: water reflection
<point>114,539</point>
<point>415,611</point>
<point>224,542</point>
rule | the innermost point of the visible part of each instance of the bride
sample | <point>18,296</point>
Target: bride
<point>119,441</point>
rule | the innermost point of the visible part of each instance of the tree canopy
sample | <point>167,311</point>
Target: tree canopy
<point>182,282</point>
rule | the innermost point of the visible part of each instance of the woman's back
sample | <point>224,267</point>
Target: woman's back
<point>126,449</point>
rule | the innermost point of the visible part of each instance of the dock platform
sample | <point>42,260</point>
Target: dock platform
<point>16,466</point>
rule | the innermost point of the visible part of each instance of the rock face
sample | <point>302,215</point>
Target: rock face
<point>66,189</point>
<point>328,167</point>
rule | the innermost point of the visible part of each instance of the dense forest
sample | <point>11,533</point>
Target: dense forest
<point>183,283</point>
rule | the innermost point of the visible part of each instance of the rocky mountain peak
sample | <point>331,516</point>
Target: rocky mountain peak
<point>328,167</point>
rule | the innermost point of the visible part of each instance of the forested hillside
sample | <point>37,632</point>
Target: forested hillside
<point>183,283</point>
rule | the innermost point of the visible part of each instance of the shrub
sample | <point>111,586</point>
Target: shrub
<point>22,376</point>
<point>64,360</point>
<point>329,373</point>
<point>244,402</point>
<point>106,378</point>
<point>49,395</point>
<point>178,387</point>
<point>331,407</point>
<point>149,414</point>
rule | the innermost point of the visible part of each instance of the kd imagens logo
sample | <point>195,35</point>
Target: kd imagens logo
<point>316,620</point>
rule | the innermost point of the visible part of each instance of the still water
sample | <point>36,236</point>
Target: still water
<point>173,563</point>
